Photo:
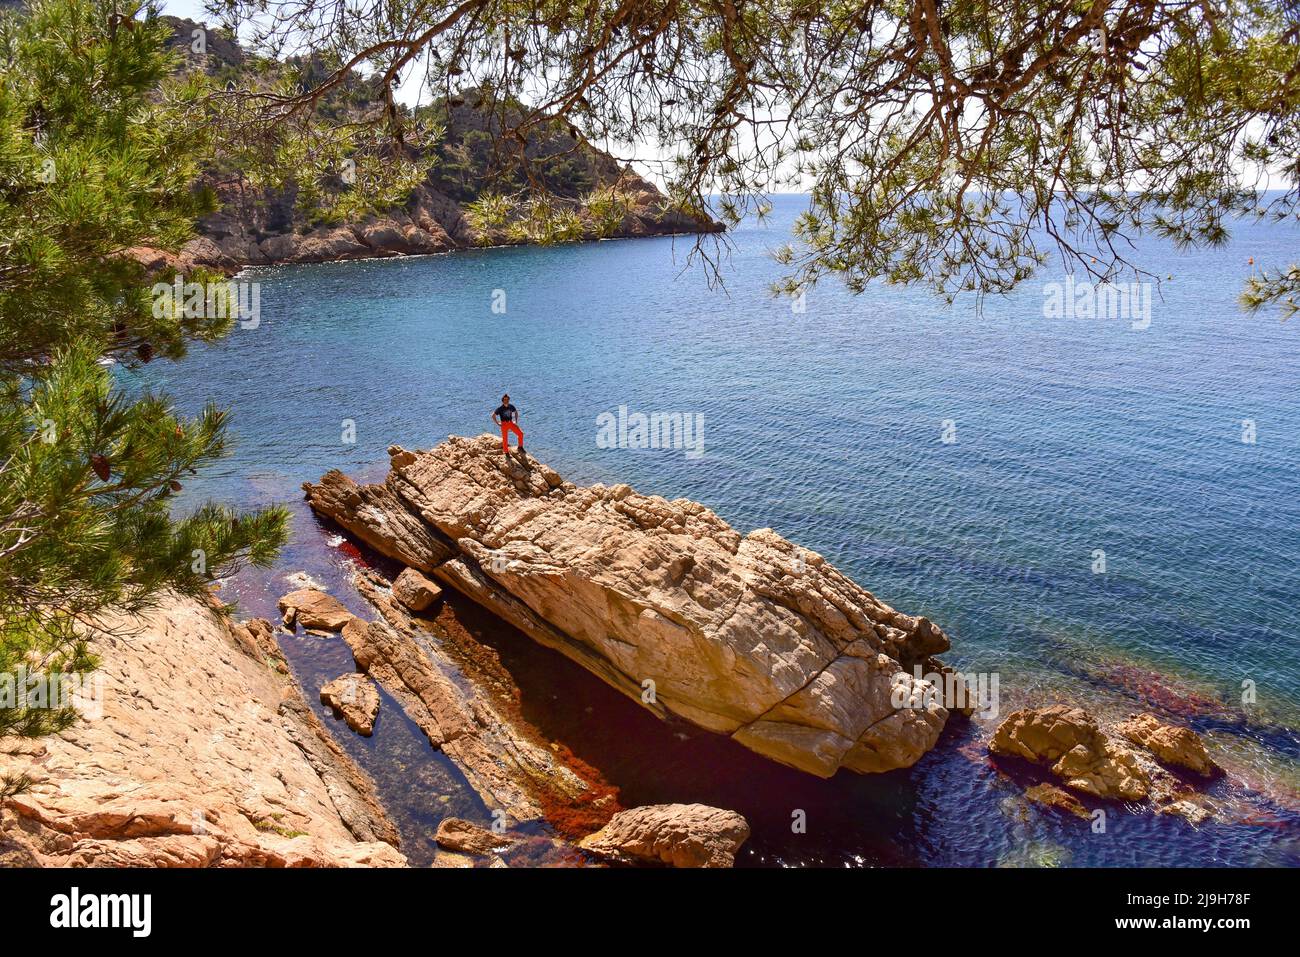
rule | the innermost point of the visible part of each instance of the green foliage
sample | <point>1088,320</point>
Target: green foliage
<point>607,208</point>
<point>91,164</point>
<point>952,145</point>
<point>96,158</point>
<point>489,213</point>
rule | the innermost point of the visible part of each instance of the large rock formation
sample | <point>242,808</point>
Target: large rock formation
<point>745,635</point>
<point>205,754</point>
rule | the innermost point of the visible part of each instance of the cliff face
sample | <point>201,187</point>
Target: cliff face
<point>745,635</point>
<point>268,228</point>
<point>471,159</point>
<point>204,755</point>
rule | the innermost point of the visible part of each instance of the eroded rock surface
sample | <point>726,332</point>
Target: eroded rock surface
<point>682,835</point>
<point>508,771</point>
<point>204,755</point>
<point>414,590</point>
<point>1173,746</point>
<point>1103,762</point>
<point>745,635</point>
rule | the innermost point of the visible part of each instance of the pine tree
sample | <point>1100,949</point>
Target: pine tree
<point>96,158</point>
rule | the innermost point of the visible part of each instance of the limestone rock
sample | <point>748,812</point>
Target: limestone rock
<point>356,698</point>
<point>1071,742</point>
<point>312,608</point>
<point>1104,762</point>
<point>414,590</point>
<point>683,835</point>
<point>1190,811</point>
<point>1043,735</point>
<point>499,762</point>
<point>1110,771</point>
<point>745,635</point>
<point>1172,745</point>
<point>452,860</point>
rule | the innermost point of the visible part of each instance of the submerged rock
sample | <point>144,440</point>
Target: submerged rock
<point>464,837</point>
<point>683,835</point>
<point>1051,796</point>
<point>745,635</point>
<point>1071,742</point>
<point>356,698</point>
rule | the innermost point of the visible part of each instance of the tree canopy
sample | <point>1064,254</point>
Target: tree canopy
<point>92,164</point>
<point>947,143</point>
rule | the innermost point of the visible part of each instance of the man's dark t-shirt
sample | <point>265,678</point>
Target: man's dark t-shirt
<point>506,413</point>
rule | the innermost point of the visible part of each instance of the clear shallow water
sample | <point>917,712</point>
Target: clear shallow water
<point>1071,435</point>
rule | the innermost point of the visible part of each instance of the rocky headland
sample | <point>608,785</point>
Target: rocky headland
<point>256,225</point>
<point>740,634</point>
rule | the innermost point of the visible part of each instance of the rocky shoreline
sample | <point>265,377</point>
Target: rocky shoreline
<point>204,755</point>
<point>208,754</point>
<point>256,226</point>
<point>269,233</point>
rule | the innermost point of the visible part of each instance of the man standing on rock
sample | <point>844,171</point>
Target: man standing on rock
<point>506,416</point>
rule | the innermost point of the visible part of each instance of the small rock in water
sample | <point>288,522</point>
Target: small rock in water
<point>355,697</point>
<point>1172,745</point>
<point>455,834</point>
<point>1051,796</point>
<point>312,608</point>
<point>1193,813</point>
<point>683,835</point>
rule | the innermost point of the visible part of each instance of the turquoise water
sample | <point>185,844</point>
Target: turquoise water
<point>1071,436</point>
